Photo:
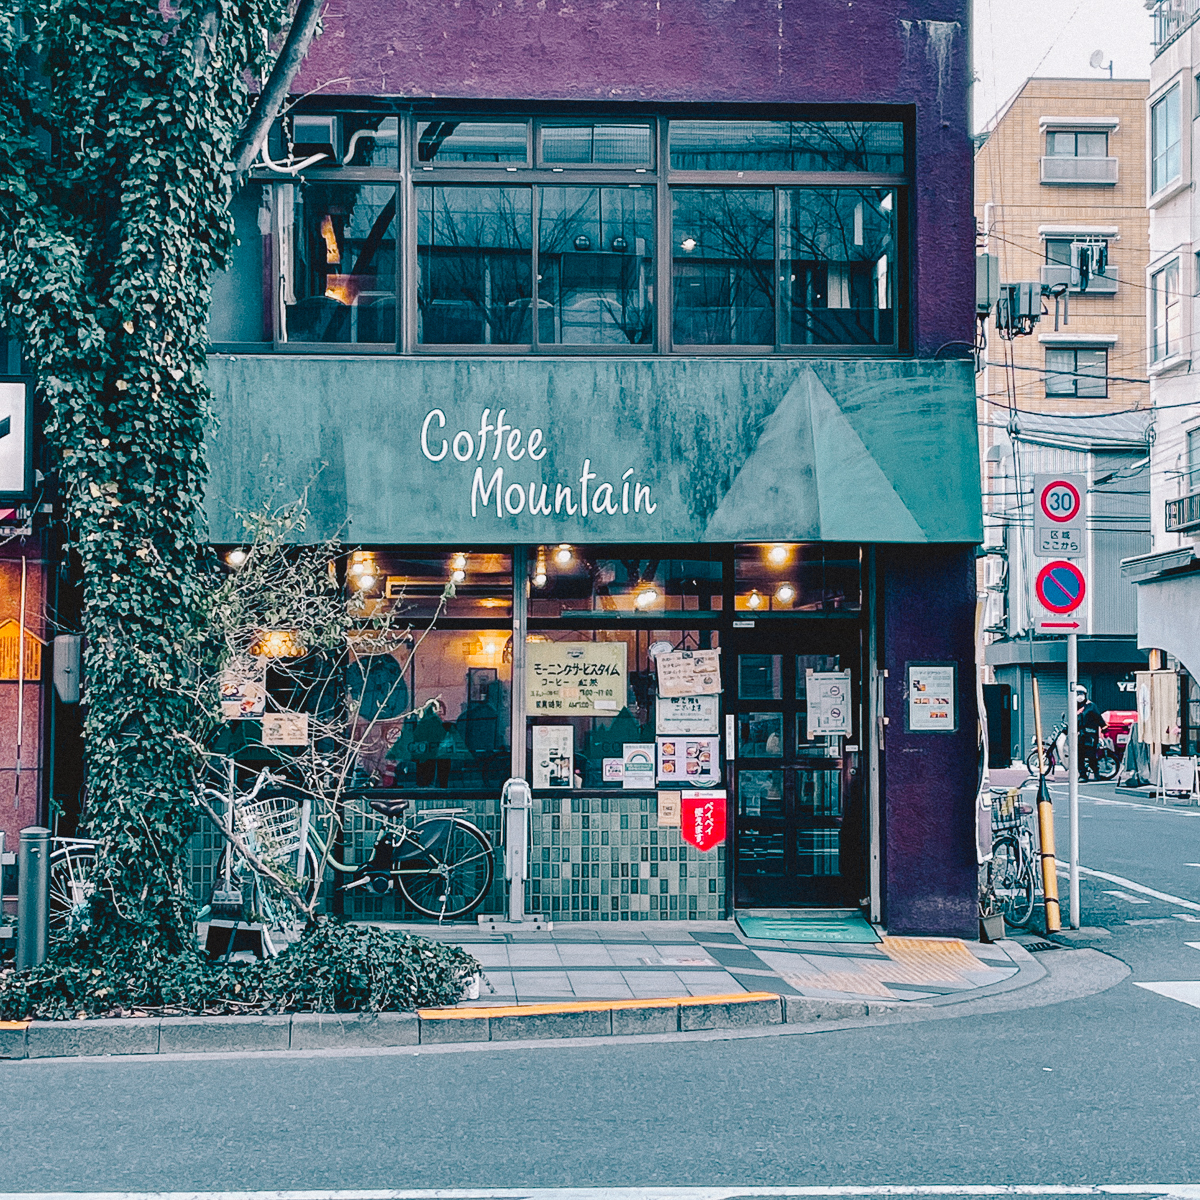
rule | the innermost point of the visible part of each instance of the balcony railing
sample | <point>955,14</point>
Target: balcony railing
<point>1183,513</point>
<point>1171,18</point>
<point>1098,285</point>
<point>1065,169</point>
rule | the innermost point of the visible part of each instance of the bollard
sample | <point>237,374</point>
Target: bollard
<point>33,896</point>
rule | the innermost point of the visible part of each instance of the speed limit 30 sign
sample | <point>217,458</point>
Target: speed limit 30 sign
<point>1058,515</point>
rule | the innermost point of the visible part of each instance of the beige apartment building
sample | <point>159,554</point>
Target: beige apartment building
<point>1060,201</point>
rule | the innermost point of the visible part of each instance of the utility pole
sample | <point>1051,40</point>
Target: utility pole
<point>1073,774</point>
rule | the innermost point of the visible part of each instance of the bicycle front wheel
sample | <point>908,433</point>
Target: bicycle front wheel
<point>72,881</point>
<point>458,870</point>
<point>1009,882</point>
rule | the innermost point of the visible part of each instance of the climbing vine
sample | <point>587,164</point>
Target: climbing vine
<point>125,127</point>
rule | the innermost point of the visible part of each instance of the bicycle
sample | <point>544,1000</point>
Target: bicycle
<point>1012,870</point>
<point>73,864</point>
<point>1054,754</point>
<point>441,864</point>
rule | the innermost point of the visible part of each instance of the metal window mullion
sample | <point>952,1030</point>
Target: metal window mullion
<point>406,277</point>
<point>664,218</point>
<point>780,340</point>
<point>535,233</point>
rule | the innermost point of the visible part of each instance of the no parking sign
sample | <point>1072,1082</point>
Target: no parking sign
<point>1061,589</point>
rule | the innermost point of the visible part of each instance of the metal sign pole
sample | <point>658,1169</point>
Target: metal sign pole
<point>1073,774</point>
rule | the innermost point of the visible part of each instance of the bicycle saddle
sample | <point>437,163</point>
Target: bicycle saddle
<point>389,808</point>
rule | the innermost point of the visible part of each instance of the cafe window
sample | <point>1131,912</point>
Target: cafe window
<point>572,582</point>
<point>597,143</point>
<point>786,577</point>
<point>338,262</point>
<point>480,143</point>
<point>875,146</point>
<point>463,583</point>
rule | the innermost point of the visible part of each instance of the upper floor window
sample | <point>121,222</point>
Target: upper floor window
<point>1077,144</point>
<point>1193,460</point>
<point>1164,140</point>
<point>414,231</point>
<point>1165,312</point>
<point>1077,372</point>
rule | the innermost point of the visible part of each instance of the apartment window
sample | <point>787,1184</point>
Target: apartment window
<point>1164,140</point>
<point>1165,312</point>
<point>1070,144</point>
<point>1193,460</point>
<point>1077,372</point>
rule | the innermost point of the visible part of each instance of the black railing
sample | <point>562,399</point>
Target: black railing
<point>1183,513</point>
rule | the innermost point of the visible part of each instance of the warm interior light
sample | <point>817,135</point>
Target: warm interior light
<point>277,643</point>
<point>563,555</point>
<point>458,576</point>
<point>236,557</point>
<point>364,581</point>
<point>646,597</point>
<point>754,600</point>
<point>777,555</point>
<point>332,253</point>
<point>785,593</point>
<point>459,562</point>
<point>539,579</point>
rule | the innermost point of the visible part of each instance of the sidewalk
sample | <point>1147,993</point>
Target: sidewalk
<point>714,958</point>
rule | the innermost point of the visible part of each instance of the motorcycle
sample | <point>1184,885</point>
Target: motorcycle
<point>1054,753</point>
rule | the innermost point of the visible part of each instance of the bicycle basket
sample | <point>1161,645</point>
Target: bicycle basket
<point>270,826</point>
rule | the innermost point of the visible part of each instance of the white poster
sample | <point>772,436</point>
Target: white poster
<point>638,765</point>
<point>694,761</point>
<point>576,679</point>
<point>686,714</point>
<point>242,697</point>
<point>285,729</point>
<point>828,703</point>
<point>553,756</point>
<point>689,673</point>
<point>931,698</point>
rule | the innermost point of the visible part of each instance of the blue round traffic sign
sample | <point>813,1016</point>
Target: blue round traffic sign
<point>1060,586</point>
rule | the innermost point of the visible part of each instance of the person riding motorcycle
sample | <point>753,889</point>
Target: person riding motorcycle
<point>1090,723</point>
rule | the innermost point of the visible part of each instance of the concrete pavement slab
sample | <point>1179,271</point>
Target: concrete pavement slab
<point>62,1039</point>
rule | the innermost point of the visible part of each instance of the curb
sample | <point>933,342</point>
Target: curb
<point>430,1026</point>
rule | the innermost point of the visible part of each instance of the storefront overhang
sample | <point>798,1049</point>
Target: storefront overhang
<point>1122,651</point>
<point>486,450</point>
<point>1168,616</point>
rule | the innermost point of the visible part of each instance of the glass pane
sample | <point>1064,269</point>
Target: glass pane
<point>796,577</point>
<point>760,676</point>
<point>837,264</point>
<point>241,296</point>
<point>1091,363</point>
<point>608,144</point>
<point>787,146</point>
<point>384,581</point>
<point>338,251</point>
<point>1058,252</point>
<point>596,266</point>
<point>370,141</point>
<point>475,266</point>
<point>1060,144</point>
<point>817,852</point>
<point>1091,145</point>
<point>819,793</point>
<point>1060,365</point>
<point>760,735</point>
<point>760,793</point>
<point>472,142</point>
<point>723,258</point>
<point>569,580</point>
<point>461,739</point>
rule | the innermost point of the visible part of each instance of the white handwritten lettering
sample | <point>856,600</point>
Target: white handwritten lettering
<point>441,420</point>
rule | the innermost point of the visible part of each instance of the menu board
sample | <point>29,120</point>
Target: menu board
<point>694,761</point>
<point>576,679</point>
<point>553,756</point>
<point>689,673</point>
<point>686,714</point>
<point>931,688</point>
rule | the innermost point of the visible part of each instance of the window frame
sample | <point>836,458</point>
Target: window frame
<point>1075,374</point>
<point>1165,314</point>
<point>1173,93</point>
<point>1075,133</point>
<point>534,173</point>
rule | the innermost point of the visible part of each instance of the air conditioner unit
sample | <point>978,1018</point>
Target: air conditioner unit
<point>313,134</point>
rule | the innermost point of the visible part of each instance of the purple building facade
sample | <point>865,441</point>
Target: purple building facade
<point>648,324</point>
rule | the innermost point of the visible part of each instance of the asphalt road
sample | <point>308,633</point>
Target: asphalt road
<point>1103,1089</point>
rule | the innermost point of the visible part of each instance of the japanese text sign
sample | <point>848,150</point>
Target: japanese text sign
<point>689,673</point>
<point>702,819</point>
<point>576,679</point>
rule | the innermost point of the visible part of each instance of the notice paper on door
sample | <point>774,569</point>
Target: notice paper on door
<point>695,762</point>
<point>689,673</point>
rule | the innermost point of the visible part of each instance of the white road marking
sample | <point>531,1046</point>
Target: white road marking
<point>1185,917</point>
<point>1124,896</point>
<point>1191,864</point>
<point>1154,808</point>
<point>1161,1191</point>
<point>1186,991</point>
<point>1141,888</point>
<point>1193,945</point>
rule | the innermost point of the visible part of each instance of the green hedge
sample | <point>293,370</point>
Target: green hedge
<point>334,967</point>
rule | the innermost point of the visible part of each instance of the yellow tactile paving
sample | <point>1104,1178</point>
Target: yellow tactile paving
<point>910,960</point>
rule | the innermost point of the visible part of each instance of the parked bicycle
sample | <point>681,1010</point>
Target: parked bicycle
<point>1011,885</point>
<point>1054,753</point>
<point>437,860</point>
<point>72,878</point>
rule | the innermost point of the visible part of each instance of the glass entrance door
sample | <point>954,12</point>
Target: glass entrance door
<point>798,824</point>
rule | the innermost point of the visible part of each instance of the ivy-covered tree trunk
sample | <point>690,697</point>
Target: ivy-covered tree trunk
<point>118,126</point>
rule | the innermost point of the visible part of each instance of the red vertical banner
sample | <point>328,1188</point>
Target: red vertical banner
<point>702,819</point>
